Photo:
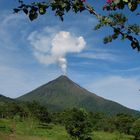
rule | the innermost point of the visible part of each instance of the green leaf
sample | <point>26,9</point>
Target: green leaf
<point>132,6</point>
<point>121,5</point>
<point>68,8</point>
<point>123,37</point>
<point>98,26</point>
<point>114,36</point>
<point>42,10</point>
<point>125,1</point>
<point>33,16</point>
<point>116,2</point>
<point>63,5</point>
<point>107,39</point>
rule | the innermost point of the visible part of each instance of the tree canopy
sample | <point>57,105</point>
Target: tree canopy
<point>136,129</point>
<point>117,21</point>
<point>78,125</point>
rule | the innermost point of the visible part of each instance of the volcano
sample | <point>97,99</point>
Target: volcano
<point>63,93</point>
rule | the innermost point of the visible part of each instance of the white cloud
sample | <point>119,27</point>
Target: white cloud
<point>101,54</point>
<point>120,89</point>
<point>52,47</point>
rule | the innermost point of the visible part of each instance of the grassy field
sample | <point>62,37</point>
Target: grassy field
<point>32,130</point>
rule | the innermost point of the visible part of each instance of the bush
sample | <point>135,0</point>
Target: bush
<point>136,129</point>
<point>78,125</point>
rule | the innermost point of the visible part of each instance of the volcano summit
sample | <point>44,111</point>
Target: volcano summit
<point>63,93</point>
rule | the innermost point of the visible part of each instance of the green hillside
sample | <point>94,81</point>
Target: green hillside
<point>4,99</point>
<point>63,93</point>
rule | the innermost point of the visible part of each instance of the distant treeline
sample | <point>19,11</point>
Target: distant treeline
<point>72,118</point>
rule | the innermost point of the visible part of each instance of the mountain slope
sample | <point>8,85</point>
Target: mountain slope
<point>63,93</point>
<point>5,99</point>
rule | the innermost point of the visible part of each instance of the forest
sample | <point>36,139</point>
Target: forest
<point>32,119</point>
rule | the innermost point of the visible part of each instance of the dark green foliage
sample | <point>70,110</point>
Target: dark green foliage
<point>119,23</point>
<point>123,123</point>
<point>10,108</point>
<point>136,129</point>
<point>62,93</point>
<point>102,122</point>
<point>5,99</point>
<point>58,6</point>
<point>120,4</point>
<point>78,124</point>
<point>38,111</point>
<point>116,21</point>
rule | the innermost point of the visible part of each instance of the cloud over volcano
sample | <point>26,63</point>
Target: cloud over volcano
<point>52,47</point>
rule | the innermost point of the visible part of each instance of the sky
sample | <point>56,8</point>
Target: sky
<point>33,53</point>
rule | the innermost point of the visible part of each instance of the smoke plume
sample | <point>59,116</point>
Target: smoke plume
<point>52,47</point>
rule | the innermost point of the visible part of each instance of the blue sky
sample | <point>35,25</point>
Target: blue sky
<point>33,53</point>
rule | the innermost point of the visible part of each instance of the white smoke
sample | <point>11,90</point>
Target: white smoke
<point>63,65</point>
<point>53,47</point>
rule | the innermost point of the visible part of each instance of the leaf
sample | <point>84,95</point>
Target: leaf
<point>42,10</point>
<point>63,5</point>
<point>121,5</point>
<point>125,1</point>
<point>53,7</point>
<point>133,44</point>
<point>116,2</point>
<point>16,10</point>
<point>20,1</point>
<point>107,39</point>
<point>67,7</point>
<point>114,36</point>
<point>25,11</point>
<point>132,6</point>
<point>98,26</point>
<point>123,37</point>
<point>33,16</point>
